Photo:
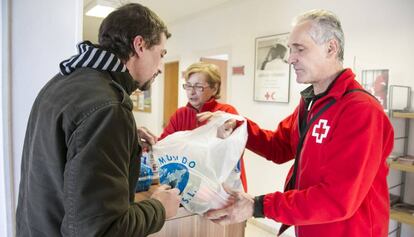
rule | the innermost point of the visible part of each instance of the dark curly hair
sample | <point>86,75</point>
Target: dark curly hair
<point>118,29</point>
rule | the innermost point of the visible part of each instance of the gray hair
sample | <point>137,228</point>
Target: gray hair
<point>325,26</point>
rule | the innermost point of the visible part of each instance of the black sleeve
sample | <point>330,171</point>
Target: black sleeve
<point>258,207</point>
<point>96,179</point>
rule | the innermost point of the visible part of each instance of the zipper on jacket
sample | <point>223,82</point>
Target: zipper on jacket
<point>310,105</point>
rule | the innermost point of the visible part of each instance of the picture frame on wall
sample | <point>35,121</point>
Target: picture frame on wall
<point>141,101</point>
<point>272,70</point>
<point>375,81</point>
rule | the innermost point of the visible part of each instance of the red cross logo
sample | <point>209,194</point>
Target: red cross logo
<point>320,130</point>
<point>267,95</point>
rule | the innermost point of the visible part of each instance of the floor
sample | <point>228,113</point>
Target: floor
<point>257,229</point>
<point>254,231</point>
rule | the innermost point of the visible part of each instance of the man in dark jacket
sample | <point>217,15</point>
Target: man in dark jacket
<point>81,153</point>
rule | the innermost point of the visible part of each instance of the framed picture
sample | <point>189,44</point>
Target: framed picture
<point>141,100</point>
<point>272,70</point>
<point>376,82</point>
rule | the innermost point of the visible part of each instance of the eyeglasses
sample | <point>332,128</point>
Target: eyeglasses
<point>197,88</point>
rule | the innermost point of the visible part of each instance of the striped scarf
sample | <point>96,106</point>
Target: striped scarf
<point>92,57</point>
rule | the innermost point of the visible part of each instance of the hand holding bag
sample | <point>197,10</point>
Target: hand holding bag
<point>198,163</point>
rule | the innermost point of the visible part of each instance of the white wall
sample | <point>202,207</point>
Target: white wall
<point>157,100</point>
<point>6,209</point>
<point>43,33</point>
<point>379,34</point>
<point>3,213</point>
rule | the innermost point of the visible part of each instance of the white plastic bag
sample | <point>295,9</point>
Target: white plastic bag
<point>198,162</point>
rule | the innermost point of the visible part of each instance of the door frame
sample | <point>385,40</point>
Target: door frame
<point>218,51</point>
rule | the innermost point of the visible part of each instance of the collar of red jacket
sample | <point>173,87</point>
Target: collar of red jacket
<point>207,106</point>
<point>344,82</point>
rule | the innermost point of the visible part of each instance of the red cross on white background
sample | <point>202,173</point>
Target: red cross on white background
<point>320,130</point>
<point>267,95</point>
<point>270,96</point>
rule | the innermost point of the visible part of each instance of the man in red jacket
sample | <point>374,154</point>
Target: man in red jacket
<point>339,137</point>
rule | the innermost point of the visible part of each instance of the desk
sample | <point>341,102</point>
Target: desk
<point>186,224</point>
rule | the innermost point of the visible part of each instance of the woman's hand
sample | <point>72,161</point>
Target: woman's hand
<point>224,130</point>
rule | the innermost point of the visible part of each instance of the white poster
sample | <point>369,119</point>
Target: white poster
<point>272,70</point>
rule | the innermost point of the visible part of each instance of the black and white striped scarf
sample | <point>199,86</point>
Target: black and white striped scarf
<point>92,57</point>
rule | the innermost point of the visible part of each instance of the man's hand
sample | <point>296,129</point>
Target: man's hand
<point>145,136</point>
<point>169,199</point>
<point>239,210</point>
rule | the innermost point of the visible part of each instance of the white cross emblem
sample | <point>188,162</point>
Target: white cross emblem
<point>320,131</point>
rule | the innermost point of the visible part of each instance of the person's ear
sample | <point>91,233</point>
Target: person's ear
<point>215,88</point>
<point>139,45</point>
<point>332,48</point>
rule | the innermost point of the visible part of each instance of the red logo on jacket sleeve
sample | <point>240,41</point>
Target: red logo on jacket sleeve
<point>320,130</point>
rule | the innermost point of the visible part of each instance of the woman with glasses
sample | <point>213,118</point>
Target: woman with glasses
<point>202,85</point>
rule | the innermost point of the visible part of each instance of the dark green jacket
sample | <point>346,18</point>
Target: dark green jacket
<point>80,161</point>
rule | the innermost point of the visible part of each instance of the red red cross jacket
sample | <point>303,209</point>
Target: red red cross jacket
<point>341,187</point>
<point>185,119</point>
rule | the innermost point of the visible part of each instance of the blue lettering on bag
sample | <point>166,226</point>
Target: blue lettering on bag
<point>187,199</point>
<point>171,158</point>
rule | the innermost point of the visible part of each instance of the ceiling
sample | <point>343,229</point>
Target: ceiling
<point>173,10</point>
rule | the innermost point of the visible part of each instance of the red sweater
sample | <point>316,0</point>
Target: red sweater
<point>185,119</point>
<point>341,186</point>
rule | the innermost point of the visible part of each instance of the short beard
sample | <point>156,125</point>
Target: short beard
<point>146,86</point>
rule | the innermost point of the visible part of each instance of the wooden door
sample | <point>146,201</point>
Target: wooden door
<point>170,91</point>
<point>222,65</point>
